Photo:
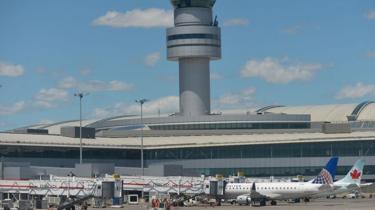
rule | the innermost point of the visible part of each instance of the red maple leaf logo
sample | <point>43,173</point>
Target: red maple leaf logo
<point>355,174</point>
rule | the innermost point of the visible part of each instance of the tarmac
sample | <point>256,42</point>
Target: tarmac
<point>321,204</point>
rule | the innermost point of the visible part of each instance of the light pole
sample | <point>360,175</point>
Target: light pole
<point>80,95</point>
<point>141,102</point>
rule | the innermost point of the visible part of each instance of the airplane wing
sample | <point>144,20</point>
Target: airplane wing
<point>335,187</point>
<point>254,195</point>
<point>366,184</point>
<point>352,186</point>
<point>325,187</point>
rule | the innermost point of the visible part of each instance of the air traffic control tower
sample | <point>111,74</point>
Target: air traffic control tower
<point>193,41</point>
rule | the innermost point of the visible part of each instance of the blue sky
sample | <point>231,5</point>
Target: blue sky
<point>274,52</point>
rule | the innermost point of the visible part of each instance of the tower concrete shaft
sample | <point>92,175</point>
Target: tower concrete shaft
<point>193,42</point>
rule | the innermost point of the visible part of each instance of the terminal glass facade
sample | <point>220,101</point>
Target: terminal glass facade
<point>316,149</point>
<point>231,125</point>
<point>68,156</point>
<point>69,153</point>
<point>278,171</point>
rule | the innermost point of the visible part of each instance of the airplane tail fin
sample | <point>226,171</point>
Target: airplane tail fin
<point>253,188</point>
<point>355,174</point>
<point>328,173</point>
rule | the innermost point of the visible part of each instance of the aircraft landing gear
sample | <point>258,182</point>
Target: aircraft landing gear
<point>306,200</point>
<point>252,203</point>
<point>262,202</point>
<point>273,203</point>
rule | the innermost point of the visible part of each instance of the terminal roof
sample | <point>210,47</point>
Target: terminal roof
<point>180,141</point>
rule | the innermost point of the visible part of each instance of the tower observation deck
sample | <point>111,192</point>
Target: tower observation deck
<point>194,40</point>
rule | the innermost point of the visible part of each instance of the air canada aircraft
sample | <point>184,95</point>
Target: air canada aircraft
<point>352,181</point>
<point>273,191</point>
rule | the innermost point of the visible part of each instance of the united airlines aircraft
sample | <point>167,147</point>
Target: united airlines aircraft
<point>264,191</point>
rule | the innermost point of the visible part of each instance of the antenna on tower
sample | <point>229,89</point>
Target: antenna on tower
<point>216,23</point>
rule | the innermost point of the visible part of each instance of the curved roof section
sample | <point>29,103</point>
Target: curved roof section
<point>368,113</point>
<point>358,110</point>
<point>33,126</point>
<point>364,111</point>
<point>264,109</point>
<point>55,128</point>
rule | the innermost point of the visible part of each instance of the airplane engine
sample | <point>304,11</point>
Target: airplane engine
<point>243,200</point>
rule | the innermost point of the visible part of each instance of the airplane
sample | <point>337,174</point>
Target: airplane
<point>263,191</point>
<point>352,181</point>
<point>328,173</point>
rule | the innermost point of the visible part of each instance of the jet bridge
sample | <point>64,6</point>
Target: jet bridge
<point>164,185</point>
<point>61,192</point>
<point>68,191</point>
<point>52,187</point>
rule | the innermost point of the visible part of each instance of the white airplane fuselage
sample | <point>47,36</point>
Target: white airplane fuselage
<point>352,181</point>
<point>338,188</point>
<point>274,190</point>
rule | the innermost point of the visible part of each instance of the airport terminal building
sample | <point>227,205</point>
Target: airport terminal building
<point>274,141</point>
<point>269,141</point>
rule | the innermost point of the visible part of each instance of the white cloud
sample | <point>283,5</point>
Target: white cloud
<point>116,85</point>
<point>10,70</point>
<point>152,59</point>
<point>49,98</point>
<point>13,109</point>
<point>41,70</point>
<point>249,91</point>
<point>292,30</point>
<point>215,76</point>
<point>236,22</point>
<point>371,54</point>
<point>168,104</point>
<point>279,71</point>
<point>370,15</point>
<point>152,17</point>
<point>46,121</point>
<point>85,71</point>
<point>45,98</point>
<point>52,94</point>
<point>94,85</point>
<point>240,98</point>
<point>98,86</point>
<point>68,82</point>
<point>102,113</point>
<point>356,91</point>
